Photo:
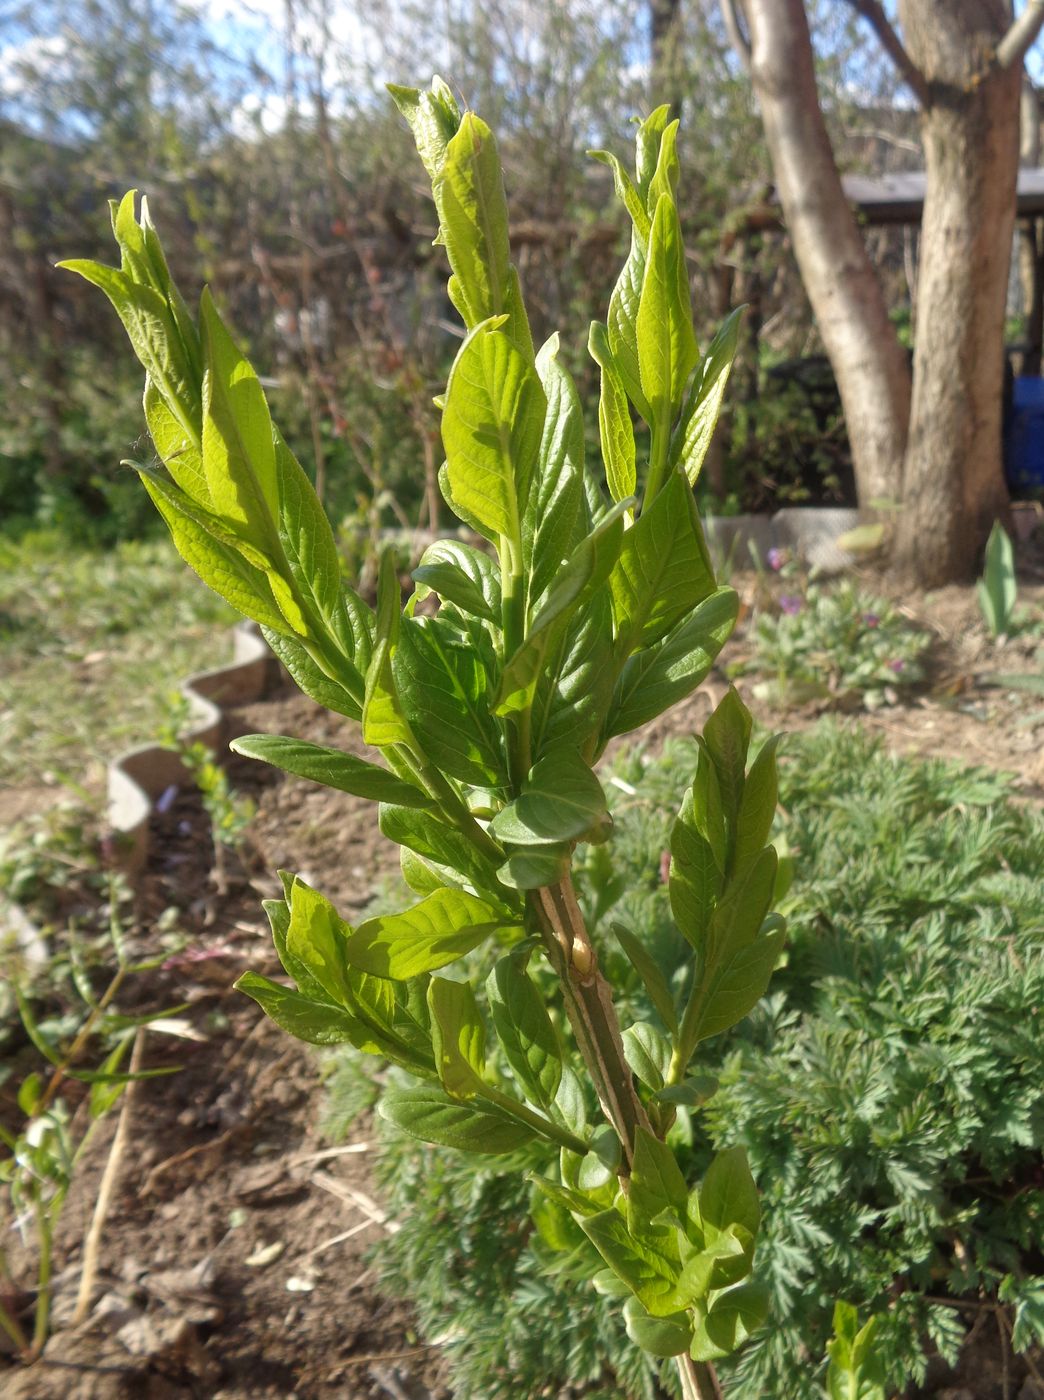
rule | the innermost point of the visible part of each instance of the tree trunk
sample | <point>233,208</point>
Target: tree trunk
<point>843,289</point>
<point>953,480</point>
<point>1030,235</point>
<point>665,38</point>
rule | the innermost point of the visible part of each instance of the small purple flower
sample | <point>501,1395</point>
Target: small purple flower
<point>897,666</point>
<point>776,559</point>
<point>871,620</point>
<point>790,603</point>
<point>166,798</point>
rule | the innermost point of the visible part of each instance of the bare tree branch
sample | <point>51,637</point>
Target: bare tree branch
<point>1015,45</point>
<point>873,13</point>
<point>731,13</point>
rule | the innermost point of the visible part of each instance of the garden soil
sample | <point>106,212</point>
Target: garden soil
<point>234,1264</point>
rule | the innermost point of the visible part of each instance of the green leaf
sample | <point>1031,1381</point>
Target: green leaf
<point>659,1336</point>
<point>533,868</point>
<point>663,570</point>
<point>316,939</point>
<point>524,1029</point>
<point>741,980</point>
<point>615,429</point>
<point>692,437</point>
<point>492,427</point>
<point>438,843</point>
<point>740,952</point>
<point>728,1195</point>
<point>309,677</point>
<point>463,575</point>
<point>458,1037</point>
<point>308,543</point>
<point>29,1092</point>
<point>300,1016</point>
<point>220,565</point>
<point>658,1177</point>
<point>32,1030</point>
<point>576,584</point>
<point>622,325</point>
<point>178,449</point>
<point>734,1315</point>
<point>661,675</point>
<point>438,930</point>
<point>648,144</point>
<point>727,736</point>
<point>855,1371</point>
<point>757,808</point>
<point>722,1263</point>
<point>666,343</point>
<point>575,687</point>
<point>647,1053</point>
<point>651,1275</point>
<point>698,854</point>
<point>667,171</point>
<point>552,523</point>
<point>469,196</point>
<point>569,1102</point>
<point>239,457</point>
<point>434,120</point>
<point>561,800</point>
<point>626,192</point>
<point>652,977</point>
<point>442,688</point>
<point>431,1116</point>
<point>148,320</point>
<point>383,720</point>
<point>573,1201</point>
<point>332,768</point>
<point>997,589</point>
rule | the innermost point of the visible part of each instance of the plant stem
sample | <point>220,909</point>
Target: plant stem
<point>10,1324</point>
<point>92,1241</point>
<point>42,1320</point>
<point>699,1381</point>
<point>657,459</point>
<point>589,1006</point>
<point>542,1124</point>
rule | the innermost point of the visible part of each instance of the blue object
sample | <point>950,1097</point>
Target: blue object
<point>1024,436</point>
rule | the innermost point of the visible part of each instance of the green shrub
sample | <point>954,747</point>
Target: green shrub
<point>889,1091</point>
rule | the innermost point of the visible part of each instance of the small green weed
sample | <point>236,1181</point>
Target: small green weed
<point>40,1154</point>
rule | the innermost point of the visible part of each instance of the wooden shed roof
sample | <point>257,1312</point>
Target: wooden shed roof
<point>899,198</point>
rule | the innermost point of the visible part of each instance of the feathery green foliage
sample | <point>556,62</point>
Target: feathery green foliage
<point>889,1091</point>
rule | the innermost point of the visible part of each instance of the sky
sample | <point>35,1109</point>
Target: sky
<point>252,33</point>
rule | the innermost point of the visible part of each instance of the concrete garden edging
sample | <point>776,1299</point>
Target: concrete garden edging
<point>138,777</point>
<point>811,532</point>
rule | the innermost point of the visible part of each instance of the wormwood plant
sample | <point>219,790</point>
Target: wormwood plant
<point>491,695</point>
<point>889,1092</point>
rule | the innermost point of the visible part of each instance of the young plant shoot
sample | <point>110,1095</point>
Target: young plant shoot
<point>587,616</point>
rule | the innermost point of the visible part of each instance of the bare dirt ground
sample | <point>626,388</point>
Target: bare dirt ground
<point>234,1264</point>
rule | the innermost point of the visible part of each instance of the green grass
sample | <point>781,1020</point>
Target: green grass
<point>91,645</point>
